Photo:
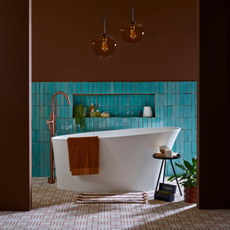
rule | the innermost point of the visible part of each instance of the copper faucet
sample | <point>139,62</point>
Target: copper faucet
<point>53,129</point>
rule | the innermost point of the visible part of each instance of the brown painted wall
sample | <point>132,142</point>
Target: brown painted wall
<point>63,31</point>
<point>15,192</point>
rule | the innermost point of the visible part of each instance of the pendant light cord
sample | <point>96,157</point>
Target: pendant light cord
<point>104,16</point>
<point>132,12</point>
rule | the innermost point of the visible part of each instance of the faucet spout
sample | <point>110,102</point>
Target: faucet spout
<point>52,99</point>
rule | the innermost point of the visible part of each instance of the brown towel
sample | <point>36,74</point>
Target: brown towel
<point>83,155</point>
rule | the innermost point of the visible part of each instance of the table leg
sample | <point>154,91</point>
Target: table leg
<point>176,178</point>
<point>164,172</point>
<point>159,175</point>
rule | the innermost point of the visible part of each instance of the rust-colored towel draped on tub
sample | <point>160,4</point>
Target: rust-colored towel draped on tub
<point>83,155</point>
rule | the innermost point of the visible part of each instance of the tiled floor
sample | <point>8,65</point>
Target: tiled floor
<point>55,209</point>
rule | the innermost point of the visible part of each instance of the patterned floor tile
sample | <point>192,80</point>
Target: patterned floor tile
<point>54,209</point>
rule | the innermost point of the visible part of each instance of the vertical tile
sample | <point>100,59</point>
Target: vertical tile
<point>125,87</point>
<point>132,87</point>
<point>153,122</point>
<point>99,88</point>
<point>128,87</point>
<point>116,123</point>
<point>95,122</point>
<point>189,86</point>
<point>145,122</point>
<point>141,87</point>
<point>177,87</point>
<point>107,103</point>
<point>94,88</point>
<point>132,125</point>
<point>112,123</point>
<point>124,123</point>
<point>41,100</point>
<point>181,87</point>
<point>169,99</point>
<point>111,87</point>
<point>185,113</point>
<point>120,88</point>
<point>140,122</point>
<point>148,100</point>
<point>37,99</point>
<point>181,99</point>
<point>37,86</point>
<point>148,86</point>
<point>177,99</point>
<point>70,87</point>
<point>194,99</point>
<point>120,124</point>
<point>185,87</point>
<point>152,87</point>
<point>116,87</point>
<point>189,99</point>
<point>78,88</point>
<point>107,88</point>
<point>58,86</point>
<point>169,90</point>
<point>173,87</point>
<point>161,87</point>
<point>136,122</point>
<point>169,111</point>
<point>33,88</point>
<point>173,111</point>
<point>137,87</point>
<point>74,87</point>
<point>165,99</point>
<point>157,87</point>
<point>90,87</point>
<point>194,87</point>
<point>99,124</point>
<point>33,100</point>
<point>173,99</point>
<point>165,87</point>
<point>161,111</point>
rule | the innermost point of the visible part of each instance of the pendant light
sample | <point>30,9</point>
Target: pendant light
<point>133,32</point>
<point>104,46</point>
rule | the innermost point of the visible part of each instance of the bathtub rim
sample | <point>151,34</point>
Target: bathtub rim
<point>164,129</point>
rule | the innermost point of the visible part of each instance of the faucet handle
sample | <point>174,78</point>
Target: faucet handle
<point>49,122</point>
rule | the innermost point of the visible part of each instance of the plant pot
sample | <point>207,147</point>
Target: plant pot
<point>190,194</point>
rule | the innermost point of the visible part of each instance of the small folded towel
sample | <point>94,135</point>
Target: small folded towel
<point>83,155</point>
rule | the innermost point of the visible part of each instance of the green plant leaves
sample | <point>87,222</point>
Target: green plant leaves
<point>189,177</point>
<point>80,117</point>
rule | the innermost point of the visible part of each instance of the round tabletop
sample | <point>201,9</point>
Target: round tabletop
<point>167,158</point>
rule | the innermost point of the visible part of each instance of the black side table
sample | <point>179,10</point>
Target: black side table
<point>164,161</point>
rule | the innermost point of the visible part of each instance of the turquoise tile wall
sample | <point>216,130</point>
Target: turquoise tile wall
<point>175,105</point>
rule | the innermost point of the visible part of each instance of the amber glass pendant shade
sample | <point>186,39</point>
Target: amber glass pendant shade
<point>104,46</point>
<point>133,32</point>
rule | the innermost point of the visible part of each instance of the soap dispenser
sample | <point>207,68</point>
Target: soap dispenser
<point>92,108</point>
<point>97,114</point>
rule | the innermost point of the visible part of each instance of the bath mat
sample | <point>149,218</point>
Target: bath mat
<point>131,197</point>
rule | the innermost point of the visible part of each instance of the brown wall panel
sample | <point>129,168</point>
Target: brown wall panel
<point>15,192</point>
<point>213,104</point>
<point>63,31</point>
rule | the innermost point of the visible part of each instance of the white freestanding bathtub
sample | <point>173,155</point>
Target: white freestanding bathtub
<point>126,162</point>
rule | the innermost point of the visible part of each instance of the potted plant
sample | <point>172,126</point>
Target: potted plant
<point>80,117</point>
<point>188,179</point>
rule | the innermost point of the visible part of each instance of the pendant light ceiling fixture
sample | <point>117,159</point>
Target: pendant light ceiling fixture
<point>104,46</point>
<point>133,32</point>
